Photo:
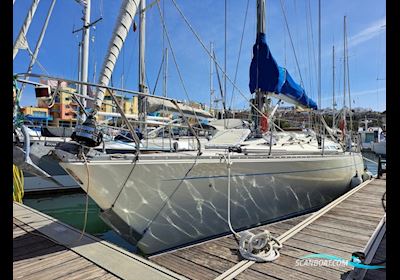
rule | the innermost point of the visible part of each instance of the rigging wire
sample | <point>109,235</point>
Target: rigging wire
<point>309,72</point>
<point>175,62</point>
<point>211,56</point>
<point>130,60</point>
<point>37,61</point>
<point>291,42</point>
<point>240,51</point>
<point>225,51</point>
<point>378,68</point>
<point>312,39</point>
<point>158,75</point>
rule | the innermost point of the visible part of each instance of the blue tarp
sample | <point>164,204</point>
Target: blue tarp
<point>265,74</point>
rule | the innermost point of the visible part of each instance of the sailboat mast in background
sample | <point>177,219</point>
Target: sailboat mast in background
<point>333,87</point>
<point>85,50</point>
<point>259,94</point>
<point>142,69</point>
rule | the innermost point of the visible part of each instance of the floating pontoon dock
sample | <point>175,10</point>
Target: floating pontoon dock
<point>355,224</point>
<point>45,248</point>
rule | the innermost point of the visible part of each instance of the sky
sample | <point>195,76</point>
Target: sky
<point>366,36</point>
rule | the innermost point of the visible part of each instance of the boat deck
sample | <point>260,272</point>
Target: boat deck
<point>44,248</point>
<point>344,229</point>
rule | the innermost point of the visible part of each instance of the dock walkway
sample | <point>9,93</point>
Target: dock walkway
<point>342,230</point>
<point>45,248</point>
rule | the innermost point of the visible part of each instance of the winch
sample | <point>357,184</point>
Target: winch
<point>87,133</point>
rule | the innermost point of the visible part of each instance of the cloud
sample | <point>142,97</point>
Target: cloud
<point>364,35</point>
<point>367,33</point>
<point>356,93</point>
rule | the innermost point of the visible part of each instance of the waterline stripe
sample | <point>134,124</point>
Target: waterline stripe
<point>259,174</point>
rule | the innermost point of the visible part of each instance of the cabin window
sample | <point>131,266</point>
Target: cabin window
<point>39,114</point>
<point>369,137</point>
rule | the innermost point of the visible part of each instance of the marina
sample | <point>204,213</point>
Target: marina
<point>183,170</point>
<point>351,224</point>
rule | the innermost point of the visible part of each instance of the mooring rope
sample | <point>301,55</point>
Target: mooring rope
<point>243,265</point>
<point>260,247</point>
<point>18,184</point>
<point>87,199</point>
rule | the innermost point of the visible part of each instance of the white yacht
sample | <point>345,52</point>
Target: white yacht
<point>162,200</point>
<point>372,138</point>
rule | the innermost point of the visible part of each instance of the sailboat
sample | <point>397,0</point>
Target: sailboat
<point>162,201</point>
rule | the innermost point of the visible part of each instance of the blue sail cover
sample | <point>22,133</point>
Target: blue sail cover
<point>265,74</point>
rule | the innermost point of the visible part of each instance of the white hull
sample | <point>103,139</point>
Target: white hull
<point>379,148</point>
<point>163,205</point>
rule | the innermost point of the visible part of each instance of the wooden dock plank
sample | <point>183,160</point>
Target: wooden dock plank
<point>254,275</point>
<point>38,255</point>
<point>329,235</point>
<point>371,221</point>
<point>289,250</point>
<point>287,262</point>
<point>186,268</point>
<point>342,230</point>
<point>41,262</point>
<point>205,259</point>
<point>88,273</point>
<point>59,270</point>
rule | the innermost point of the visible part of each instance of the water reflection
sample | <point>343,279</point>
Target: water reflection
<point>70,209</point>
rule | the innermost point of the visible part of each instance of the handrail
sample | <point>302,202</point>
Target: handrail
<point>190,127</point>
<point>89,84</point>
<point>110,89</point>
<point>128,124</point>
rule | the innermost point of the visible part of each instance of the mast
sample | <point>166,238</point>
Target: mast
<point>344,68</point>
<point>259,95</point>
<point>319,54</point>
<point>348,83</point>
<point>225,47</point>
<point>260,16</point>
<point>85,51</point>
<point>165,72</point>
<point>211,75</point>
<point>142,69</point>
<point>20,42</point>
<point>333,86</point>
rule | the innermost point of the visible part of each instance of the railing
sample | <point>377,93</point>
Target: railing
<point>20,78</point>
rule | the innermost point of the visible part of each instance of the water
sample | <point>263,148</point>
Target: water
<point>70,209</point>
<point>372,167</point>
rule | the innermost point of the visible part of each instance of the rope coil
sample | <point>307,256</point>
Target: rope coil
<point>260,247</point>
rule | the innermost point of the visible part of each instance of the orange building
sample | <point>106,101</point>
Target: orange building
<point>65,108</point>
